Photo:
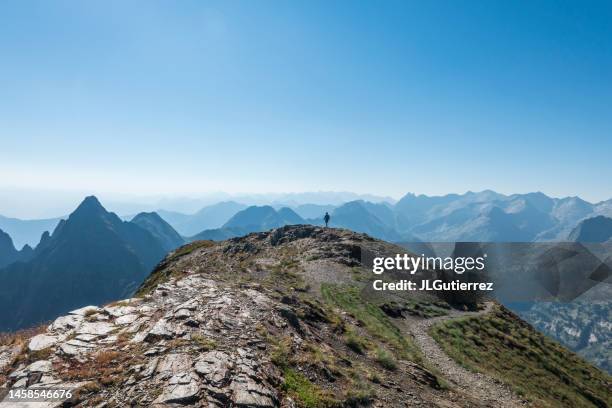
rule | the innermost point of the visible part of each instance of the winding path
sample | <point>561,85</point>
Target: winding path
<point>482,387</point>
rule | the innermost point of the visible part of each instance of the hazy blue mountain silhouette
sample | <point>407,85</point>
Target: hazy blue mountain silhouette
<point>209,217</point>
<point>307,211</point>
<point>160,229</point>
<point>8,253</point>
<point>219,234</point>
<point>288,216</point>
<point>473,216</point>
<point>251,219</point>
<point>483,216</point>
<point>360,216</point>
<point>262,218</point>
<point>596,229</point>
<point>412,210</point>
<point>383,211</point>
<point>28,232</point>
<point>91,258</point>
<point>514,221</point>
<point>489,216</point>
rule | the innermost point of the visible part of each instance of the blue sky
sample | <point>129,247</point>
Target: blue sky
<point>162,97</point>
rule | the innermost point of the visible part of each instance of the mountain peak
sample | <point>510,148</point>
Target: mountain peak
<point>148,215</point>
<point>90,205</point>
<point>160,229</point>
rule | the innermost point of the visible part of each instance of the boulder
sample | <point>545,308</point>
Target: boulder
<point>179,392</point>
<point>247,393</point>
<point>65,323</point>
<point>85,311</point>
<point>215,367</point>
<point>96,328</point>
<point>41,342</point>
<point>161,329</point>
<point>126,319</point>
<point>175,363</point>
<point>40,366</point>
<point>7,355</point>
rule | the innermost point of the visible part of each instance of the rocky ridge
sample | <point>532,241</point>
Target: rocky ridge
<point>165,347</point>
<point>247,322</point>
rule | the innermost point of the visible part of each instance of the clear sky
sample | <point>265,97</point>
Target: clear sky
<point>169,97</point>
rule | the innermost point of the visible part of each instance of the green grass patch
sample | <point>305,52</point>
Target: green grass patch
<point>538,368</point>
<point>286,273</point>
<point>204,343</point>
<point>426,309</point>
<point>378,325</point>
<point>281,351</point>
<point>306,393</point>
<point>355,343</point>
<point>386,360</point>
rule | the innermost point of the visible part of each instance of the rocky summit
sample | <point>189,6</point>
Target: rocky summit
<point>275,319</point>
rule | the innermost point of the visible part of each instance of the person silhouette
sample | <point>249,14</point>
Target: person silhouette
<point>326,218</point>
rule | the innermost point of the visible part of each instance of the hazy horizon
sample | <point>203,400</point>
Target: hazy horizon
<point>40,204</point>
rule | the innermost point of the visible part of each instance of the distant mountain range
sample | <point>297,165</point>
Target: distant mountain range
<point>359,216</point>
<point>209,217</point>
<point>489,216</point>
<point>483,216</point>
<point>486,216</point>
<point>376,220</point>
<point>252,219</point>
<point>26,232</point>
<point>309,211</point>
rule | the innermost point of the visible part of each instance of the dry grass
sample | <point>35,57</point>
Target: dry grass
<point>118,303</point>
<point>104,358</point>
<point>21,336</point>
<point>105,368</point>
<point>20,339</point>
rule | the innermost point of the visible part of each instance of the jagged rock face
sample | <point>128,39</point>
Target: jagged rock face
<point>8,253</point>
<point>160,340</point>
<point>241,323</point>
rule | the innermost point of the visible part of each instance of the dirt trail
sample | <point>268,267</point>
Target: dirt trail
<point>480,386</point>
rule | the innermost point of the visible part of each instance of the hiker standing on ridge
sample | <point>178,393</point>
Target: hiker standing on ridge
<point>326,218</point>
